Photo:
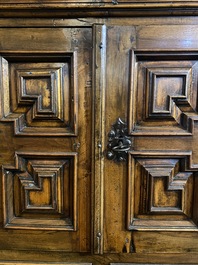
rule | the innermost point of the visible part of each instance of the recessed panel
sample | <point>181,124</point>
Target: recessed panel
<point>42,94</point>
<point>43,194</point>
<point>171,199</point>
<point>163,93</point>
<point>39,87</point>
<point>40,193</point>
<point>161,192</point>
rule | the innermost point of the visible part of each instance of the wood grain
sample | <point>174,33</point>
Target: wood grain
<point>131,63</point>
<point>18,195</point>
<point>97,8</point>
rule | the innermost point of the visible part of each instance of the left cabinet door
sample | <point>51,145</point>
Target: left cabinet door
<point>45,139</point>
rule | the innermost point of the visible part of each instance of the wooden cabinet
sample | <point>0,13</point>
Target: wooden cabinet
<point>98,132</point>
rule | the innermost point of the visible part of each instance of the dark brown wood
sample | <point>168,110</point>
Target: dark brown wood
<point>40,192</point>
<point>161,195</point>
<point>156,200</point>
<point>63,84</point>
<point>45,100</point>
<point>71,9</point>
<point>61,257</point>
<point>43,95</point>
<point>99,84</point>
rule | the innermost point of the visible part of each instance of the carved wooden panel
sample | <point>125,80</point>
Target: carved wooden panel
<point>161,191</point>
<point>45,193</point>
<point>40,192</point>
<point>163,97</point>
<point>40,92</point>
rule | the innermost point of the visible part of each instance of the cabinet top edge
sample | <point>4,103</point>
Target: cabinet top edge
<point>105,8</point>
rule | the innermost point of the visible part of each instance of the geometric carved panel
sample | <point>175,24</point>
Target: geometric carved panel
<point>161,192</point>
<point>163,97</point>
<point>41,93</point>
<point>40,192</point>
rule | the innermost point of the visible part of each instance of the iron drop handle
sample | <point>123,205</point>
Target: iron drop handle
<point>118,143</point>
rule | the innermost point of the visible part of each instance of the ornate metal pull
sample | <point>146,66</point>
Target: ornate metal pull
<point>118,144</point>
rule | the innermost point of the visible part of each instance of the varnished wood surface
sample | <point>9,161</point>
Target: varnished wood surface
<point>106,259</point>
<point>66,178</point>
<point>94,8</point>
<point>122,40</point>
<point>110,193</point>
<point>69,263</point>
<point>99,81</point>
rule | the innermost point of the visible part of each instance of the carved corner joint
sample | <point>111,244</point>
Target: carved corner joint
<point>118,143</point>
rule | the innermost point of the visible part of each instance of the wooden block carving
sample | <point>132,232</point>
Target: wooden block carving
<point>161,192</point>
<point>41,94</point>
<point>40,192</point>
<point>163,97</point>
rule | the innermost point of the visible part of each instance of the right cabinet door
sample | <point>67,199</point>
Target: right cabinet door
<point>151,201</point>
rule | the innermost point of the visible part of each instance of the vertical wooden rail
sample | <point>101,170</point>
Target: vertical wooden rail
<point>99,83</point>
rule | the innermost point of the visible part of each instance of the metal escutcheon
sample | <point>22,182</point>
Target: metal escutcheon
<point>118,143</point>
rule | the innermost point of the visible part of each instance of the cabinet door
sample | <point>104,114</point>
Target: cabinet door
<point>45,132</point>
<point>151,199</point>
